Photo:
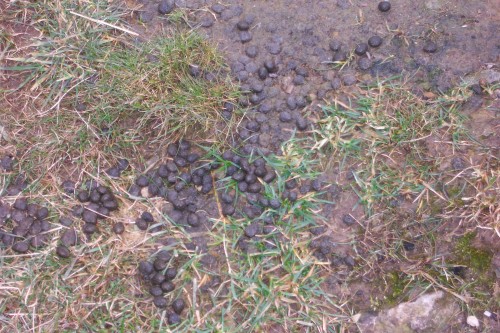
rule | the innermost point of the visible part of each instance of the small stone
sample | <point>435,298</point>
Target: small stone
<point>384,6</point>
<point>62,251</point>
<point>473,321</point>
<point>166,6</point>
<point>430,47</point>
<point>375,41</point>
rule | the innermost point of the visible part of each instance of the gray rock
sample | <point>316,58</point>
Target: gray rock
<point>434,312</point>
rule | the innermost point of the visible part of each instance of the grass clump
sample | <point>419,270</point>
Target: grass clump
<point>171,86</point>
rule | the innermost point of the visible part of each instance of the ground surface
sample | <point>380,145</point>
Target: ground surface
<point>319,183</point>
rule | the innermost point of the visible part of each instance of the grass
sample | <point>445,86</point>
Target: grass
<point>81,77</point>
<point>384,138</point>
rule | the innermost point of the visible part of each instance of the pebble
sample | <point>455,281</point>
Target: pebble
<point>375,41</point>
<point>430,47</point>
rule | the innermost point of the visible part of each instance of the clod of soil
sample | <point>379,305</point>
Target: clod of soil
<point>62,251</point>
<point>178,305</point>
<point>384,6</point>
<point>375,41</point>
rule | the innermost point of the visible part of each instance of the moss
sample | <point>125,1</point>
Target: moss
<point>396,284</point>
<point>476,259</point>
